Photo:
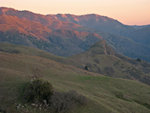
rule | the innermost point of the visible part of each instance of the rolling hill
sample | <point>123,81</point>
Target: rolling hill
<point>101,58</point>
<point>20,64</point>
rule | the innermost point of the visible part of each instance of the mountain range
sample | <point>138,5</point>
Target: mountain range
<point>66,34</point>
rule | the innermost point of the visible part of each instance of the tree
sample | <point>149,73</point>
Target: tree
<point>38,91</point>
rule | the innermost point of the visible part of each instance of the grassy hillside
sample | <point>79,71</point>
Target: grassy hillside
<point>102,59</point>
<point>18,49</point>
<point>106,94</point>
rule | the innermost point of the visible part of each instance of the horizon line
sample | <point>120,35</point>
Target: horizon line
<point>46,14</point>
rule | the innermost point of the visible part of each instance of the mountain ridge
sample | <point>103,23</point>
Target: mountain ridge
<point>78,32</point>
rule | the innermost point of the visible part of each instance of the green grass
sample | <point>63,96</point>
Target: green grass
<point>106,94</point>
<point>100,59</point>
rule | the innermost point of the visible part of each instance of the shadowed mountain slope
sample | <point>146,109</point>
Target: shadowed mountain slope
<point>18,28</point>
<point>132,41</point>
<point>95,22</point>
<point>142,36</point>
<point>66,34</point>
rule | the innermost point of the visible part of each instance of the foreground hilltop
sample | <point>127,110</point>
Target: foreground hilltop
<point>20,64</point>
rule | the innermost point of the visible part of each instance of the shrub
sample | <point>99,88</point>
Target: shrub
<point>64,102</point>
<point>37,91</point>
<point>86,68</point>
<point>138,59</point>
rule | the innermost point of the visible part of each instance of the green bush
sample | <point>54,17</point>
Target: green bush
<point>37,91</point>
<point>40,94</point>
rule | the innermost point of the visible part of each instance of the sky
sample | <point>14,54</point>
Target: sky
<point>130,12</point>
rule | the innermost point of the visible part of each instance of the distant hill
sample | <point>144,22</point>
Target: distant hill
<point>132,41</point>
<point>127,46</point>
<point>67,35</point>
<point>39,31</point>
<point>142,36</point>
<point>95,22</point>
<point>42,19</point>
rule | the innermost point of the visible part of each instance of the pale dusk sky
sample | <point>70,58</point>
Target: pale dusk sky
<point>129,12</point>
